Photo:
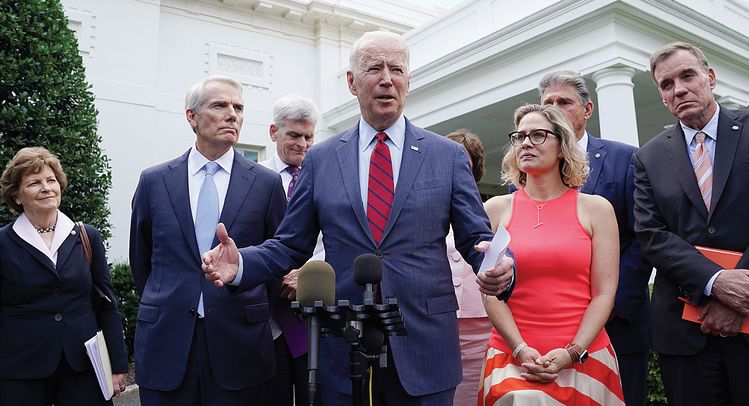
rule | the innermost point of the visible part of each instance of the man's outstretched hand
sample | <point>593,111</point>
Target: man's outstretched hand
<point>220,265</point>
<point>495,280</point>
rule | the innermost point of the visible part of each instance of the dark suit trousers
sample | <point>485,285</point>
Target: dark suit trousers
<point>65,387</point>
<point>290,382</point>
<point>716,376</point>
<point>199,386</point>
<point>633,370</point>
<point>388,391</point>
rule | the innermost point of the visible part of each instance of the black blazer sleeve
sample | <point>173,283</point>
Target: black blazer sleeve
<point>108,317</point>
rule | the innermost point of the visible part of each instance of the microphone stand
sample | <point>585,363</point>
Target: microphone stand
<point>313,347</point>
<point>349,321</point>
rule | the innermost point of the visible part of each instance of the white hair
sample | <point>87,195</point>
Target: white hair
<point>194,97</point>
<point>369,37</point>
<point>294,108</point>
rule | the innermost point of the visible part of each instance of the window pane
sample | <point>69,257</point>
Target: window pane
<point>251,155</point>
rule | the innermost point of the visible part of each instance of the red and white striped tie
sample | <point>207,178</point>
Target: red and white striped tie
<point>380,188</point>
<point>703,169</point>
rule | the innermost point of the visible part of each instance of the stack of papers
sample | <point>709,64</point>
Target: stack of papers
<point>96,348</point>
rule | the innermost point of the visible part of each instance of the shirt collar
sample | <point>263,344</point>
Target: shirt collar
<point>279,165</point>
<point>196,161</point>
<point>28,233</point>
<point>396,133</point>
<point>710,129</point>
<point>582,143</point>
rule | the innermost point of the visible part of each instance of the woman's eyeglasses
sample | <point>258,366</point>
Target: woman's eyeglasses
<point>537,137</point>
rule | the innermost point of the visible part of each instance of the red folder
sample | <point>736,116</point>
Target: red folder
<point>727,260</point>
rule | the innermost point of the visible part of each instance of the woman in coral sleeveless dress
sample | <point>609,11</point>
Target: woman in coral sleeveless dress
<point>548,346</point>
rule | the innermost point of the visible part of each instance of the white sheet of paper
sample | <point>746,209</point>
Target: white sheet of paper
<point>496,250</point>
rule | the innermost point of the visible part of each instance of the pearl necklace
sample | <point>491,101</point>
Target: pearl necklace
<point>43,230</point>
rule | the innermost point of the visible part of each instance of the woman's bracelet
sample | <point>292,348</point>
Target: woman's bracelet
<point>517,349</point>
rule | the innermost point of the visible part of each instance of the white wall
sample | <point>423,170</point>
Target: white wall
<point>142,55</point>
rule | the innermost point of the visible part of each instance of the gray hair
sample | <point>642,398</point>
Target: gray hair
<point>194,97</point>
<point>294,108</point>
<point>669,49</point>
<point>565,77</point>
<point>372,36</point>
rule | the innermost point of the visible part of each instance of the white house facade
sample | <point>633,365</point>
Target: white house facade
<point>471,66</point>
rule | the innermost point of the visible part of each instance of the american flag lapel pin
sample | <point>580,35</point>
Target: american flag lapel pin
<point>414,148</point>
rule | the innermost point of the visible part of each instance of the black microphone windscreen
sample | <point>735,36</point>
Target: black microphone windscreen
<point>316,282</point>
<point>367,269</point>
<point>373,339</point>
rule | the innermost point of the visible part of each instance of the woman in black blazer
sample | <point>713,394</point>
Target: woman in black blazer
<point>46,303</point>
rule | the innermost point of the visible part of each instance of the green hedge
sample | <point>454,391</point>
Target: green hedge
<point>127,301</point>
<point>46,101</point>
<point>656,394</point>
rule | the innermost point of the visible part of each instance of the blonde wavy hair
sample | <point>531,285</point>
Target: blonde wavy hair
<point>574,167</point>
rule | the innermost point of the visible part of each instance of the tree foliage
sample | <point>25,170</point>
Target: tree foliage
<point>46,101</point>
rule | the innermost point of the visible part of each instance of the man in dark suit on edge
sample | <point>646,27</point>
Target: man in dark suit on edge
<point>612,176</point>
<point>392,189</point>
<point>176,207</point>
<point>692,188</point>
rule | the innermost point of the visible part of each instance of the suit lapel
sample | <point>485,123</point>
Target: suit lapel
<point>410,164</point>
<point>240,184</point>
<point>67,246</point>
<point>729,132</point>
<point>678,156</point>
<point>596,156</point>
<point>38,255</point>
<point>348,161</point>
<point>175,182</point>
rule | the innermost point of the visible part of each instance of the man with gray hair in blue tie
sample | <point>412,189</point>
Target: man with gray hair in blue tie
<point>175,209</point>
<point>293,132</point>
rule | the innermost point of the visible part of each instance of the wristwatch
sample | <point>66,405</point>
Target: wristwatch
<point>577,353</point>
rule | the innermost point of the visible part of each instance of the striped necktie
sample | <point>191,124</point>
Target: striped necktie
<point>703,169</point>
<point>380,188</point>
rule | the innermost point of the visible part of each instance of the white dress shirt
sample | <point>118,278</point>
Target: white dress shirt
<point>711,138</point>
<point>195,176</point>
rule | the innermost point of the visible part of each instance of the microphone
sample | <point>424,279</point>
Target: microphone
<point>367,272</point>
<point>316,283</point>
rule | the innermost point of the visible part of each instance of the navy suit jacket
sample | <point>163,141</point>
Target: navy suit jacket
<point>167,271</point>
<point>612,176</point>
<point>435,189</point>
<point>47,311</point>
<point>670,218</point>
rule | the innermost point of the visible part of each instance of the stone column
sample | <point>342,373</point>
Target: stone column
<point>616,104</point>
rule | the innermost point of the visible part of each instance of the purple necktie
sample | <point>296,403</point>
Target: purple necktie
<point>294,330</point>
<point>294,172</point>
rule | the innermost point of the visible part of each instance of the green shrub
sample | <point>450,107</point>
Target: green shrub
<point>45,101</point>
<point>127,301</point>
<point>656,393</point>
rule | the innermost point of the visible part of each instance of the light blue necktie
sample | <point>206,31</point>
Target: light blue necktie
<point>206,216</point>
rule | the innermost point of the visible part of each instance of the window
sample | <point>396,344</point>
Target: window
<point>252,153</point>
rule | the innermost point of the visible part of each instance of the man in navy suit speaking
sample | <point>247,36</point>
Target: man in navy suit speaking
<point>176,207</point>
<point>391,189</point>
<point>612,176</point>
